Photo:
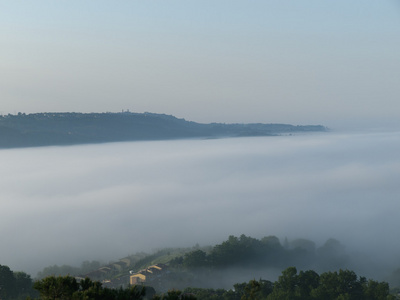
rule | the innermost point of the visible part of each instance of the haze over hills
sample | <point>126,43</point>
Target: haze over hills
<point>45,129</point>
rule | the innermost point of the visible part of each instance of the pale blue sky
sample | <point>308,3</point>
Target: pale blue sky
<point>302,62</point>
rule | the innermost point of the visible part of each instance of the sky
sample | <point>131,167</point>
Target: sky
<point>66,205</point>
<point>333,63</point>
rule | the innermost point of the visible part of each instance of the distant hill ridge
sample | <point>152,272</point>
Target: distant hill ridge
<point>46,129</point>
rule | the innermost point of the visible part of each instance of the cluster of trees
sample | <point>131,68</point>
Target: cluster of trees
<point>394,280</point>
<point>267,252</point>
<point>86,267</point>
<point>305,285</point>
<point>291,285</point>
<point>14,285</point>
<point>68,288</point>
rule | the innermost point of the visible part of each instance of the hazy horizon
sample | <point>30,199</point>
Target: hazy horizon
<point>64,205</point>
<point>269,61</point>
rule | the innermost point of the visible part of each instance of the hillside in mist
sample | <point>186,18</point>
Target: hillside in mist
<point>237,259</point>
<point>45,129</point>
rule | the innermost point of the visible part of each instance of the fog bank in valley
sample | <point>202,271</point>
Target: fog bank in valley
<point>63,205</point>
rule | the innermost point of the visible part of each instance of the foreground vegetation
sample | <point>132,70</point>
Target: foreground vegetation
<point>291,285</point>
<point>15,285</point>
<point>67,287</point>
<point>305,285</point>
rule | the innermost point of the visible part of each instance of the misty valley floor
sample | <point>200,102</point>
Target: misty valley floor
<point>109,200</point>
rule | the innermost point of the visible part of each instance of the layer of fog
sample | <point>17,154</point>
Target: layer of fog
<point>64,205</point>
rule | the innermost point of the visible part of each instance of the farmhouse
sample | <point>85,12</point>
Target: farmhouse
<point>149,274</point>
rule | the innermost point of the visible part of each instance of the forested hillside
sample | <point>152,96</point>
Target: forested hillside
<point>237,259</point>
<point>44,129</point>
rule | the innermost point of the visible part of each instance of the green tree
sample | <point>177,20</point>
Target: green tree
<point>285,287</point>
<point>339,285</point>
<point>307,281</point>
<point>255,290</point>
<point>67,288</point>
<point>195,259</point>
<point>132,293</point>
<point>7,283</point>
<point>374,290</point>
<point>237,251</point>
<point>23,284</point>
<point>172,295</point>
<point>57,288</point>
